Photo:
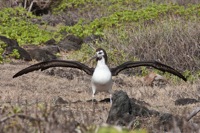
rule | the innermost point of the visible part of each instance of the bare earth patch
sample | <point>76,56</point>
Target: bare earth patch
<point>39,87</point>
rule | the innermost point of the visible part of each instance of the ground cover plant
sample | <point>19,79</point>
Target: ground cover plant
<point>130,30</point>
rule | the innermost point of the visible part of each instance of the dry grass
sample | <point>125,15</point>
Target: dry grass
<point>34,94</point>
<point>174,42</point>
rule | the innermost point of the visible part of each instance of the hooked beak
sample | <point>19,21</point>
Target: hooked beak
<point>94,57</point>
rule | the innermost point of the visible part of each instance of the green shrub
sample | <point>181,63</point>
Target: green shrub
<point>16,24</point>
<point>66,4</point>
<point>111,129</point>
<point>119,18</point>
<point>15,54</point>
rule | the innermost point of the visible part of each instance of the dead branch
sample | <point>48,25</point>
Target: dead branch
<point>31,5</point>
<point>25,4</point>
<point>194,112</point>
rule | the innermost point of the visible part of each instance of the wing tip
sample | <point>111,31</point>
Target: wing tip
<point>16,75</point>
<point>185,79</point>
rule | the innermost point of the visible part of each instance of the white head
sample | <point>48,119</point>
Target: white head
<point>101,53</point>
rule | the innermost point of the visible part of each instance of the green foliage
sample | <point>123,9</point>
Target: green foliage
<point>2,48</point>
<point>16,24</point>
<point>17,109</point>
<point>119,18</point>
<point>15,54</point>
<point>1,57</point>
<point>111,129</point>
<point>116,56</point>
<point>82,55</point>
<point>190,77</point>
<point>65,4</point>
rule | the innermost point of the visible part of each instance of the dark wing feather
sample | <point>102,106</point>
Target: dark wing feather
<point>154,64</point>
<point>55,63</point>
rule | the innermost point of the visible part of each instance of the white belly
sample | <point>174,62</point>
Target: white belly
<point>102,80</point>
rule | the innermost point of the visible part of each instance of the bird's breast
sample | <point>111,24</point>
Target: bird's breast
<point>102,76</point>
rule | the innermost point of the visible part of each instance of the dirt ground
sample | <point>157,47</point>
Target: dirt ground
<point>40,87</point>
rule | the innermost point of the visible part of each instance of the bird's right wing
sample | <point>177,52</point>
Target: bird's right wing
<point>154,64</point>
<point>55,63</point>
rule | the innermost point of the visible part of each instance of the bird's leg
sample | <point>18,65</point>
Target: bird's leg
<point>93,104</point>
<point>110,92</point>
<point>92,98</point>
<point>111,99</point>
<point>93,92</point>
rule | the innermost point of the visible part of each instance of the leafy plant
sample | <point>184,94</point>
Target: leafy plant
<point>118,18</point>
<point>15,54</point>
<point>2,48</point>
<point>16,24</point>
<point>111,129</point>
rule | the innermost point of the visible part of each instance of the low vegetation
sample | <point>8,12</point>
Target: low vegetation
<point>16,24</point>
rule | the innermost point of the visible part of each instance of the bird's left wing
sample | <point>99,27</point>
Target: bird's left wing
<point>55,63</point>
<point>154,64</point>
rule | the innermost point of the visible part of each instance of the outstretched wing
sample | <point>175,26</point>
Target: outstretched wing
<point>8,41</point>
<point>154,64</point>
<point>55,63</point>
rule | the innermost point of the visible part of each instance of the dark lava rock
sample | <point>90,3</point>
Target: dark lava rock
<point>41,54</point>
<point>170,123</point>
<point>184,101</point>
<point>24,55</point>
<point>121,110</point>
<point>50,42</point>
<point>60,100</point>
<point>166,121</point>
<point>13,44</point>
<point>54,49</point>
<point>70,42</point>
<point>124,110</point>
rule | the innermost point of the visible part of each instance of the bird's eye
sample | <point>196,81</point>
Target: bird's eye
<point>100,52</point>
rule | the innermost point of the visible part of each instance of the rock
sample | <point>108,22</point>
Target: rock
<point>59,100</point>
<point>124,110</point>
<point>184,101</point>
<point>50,42</point>
<point>54,49</point>
<point>13,44</point>
<point>41,54</point>
<point>166,121</point>
<point>121,110</point>
<point>70,42</point>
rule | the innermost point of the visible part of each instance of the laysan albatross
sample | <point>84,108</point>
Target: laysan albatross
<point>102,74</point>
